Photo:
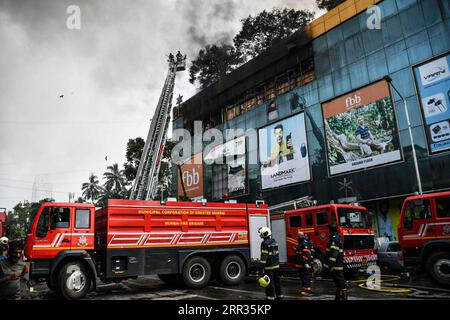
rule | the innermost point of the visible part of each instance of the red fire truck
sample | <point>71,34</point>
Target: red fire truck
<point>424,234</point>
<point>70,245</point>
<point>2,221</point>
<point>353,224</point>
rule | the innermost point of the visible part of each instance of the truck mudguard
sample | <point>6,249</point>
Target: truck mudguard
<point>186,254</point>
<point>432,244</point>
<point>82,254</point>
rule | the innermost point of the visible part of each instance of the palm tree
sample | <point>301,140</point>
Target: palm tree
<point>115,184</point>
<point>92,189</point>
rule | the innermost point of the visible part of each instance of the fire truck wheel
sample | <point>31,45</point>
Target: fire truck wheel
<point>438,267</point>
<point>232,270</point>
<point>74,281</point>
<point>196,272</point>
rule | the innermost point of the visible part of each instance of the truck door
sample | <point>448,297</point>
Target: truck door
<point>417,219</point>
<point>294,223</point>
<point>321,232</point>
<point>83,229</point>
<point>52,232</point>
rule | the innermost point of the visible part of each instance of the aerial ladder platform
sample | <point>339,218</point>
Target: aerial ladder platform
<point>146,181</point>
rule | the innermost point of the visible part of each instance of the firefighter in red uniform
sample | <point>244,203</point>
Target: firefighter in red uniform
<point>304,262</point>
<point>270,264</point>
<point>335,256</point>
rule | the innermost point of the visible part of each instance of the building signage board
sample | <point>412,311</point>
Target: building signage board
<point>232,153</point>
<point>433,84</point>
<point>283,153</point>
<point>361,130</point>
<point>192,175</point>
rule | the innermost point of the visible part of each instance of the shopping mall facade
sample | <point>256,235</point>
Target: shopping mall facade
<point>328,125</point>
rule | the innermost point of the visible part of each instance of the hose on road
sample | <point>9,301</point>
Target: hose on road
<point>384,279</point>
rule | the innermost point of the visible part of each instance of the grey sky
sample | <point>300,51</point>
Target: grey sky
<point>110,72</point>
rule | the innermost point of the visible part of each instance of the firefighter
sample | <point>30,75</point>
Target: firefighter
<point>270,264</point>
<point>304,260</point>
<point>335,257</point>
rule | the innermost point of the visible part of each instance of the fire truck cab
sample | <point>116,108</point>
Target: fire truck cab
<point>424,234</point>
<point>353,224</point>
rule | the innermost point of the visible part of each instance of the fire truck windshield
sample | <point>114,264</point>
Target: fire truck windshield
<point>353,218</point>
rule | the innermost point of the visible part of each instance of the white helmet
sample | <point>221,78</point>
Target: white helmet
<point>264,232</point>
<point>4,240</point>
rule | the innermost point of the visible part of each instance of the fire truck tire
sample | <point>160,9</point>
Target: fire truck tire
<point>232,270</point>
<point>196,272</point>
<point>74,281</point>
<point>438,267</point>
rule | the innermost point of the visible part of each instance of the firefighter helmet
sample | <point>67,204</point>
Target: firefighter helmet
<point>264,232</point>
<point>264,281</point>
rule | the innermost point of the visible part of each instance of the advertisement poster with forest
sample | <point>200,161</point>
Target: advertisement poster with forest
<point>361,130</point>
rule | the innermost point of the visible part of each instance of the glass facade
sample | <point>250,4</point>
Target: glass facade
<point>349,57</point>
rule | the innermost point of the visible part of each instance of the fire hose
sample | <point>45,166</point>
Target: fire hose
<point>375,285</point>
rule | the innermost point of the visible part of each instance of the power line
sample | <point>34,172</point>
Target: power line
<point>25,188</point>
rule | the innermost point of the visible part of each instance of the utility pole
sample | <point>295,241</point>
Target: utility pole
<point>411,138</point>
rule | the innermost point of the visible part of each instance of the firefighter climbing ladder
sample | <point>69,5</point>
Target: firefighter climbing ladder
<point>145,184</point>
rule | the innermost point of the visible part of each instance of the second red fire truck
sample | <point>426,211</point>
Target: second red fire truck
<point>353,224</point>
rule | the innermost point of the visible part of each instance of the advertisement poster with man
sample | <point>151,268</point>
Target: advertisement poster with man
<point>433,83</point>
<point>283,153</point>
<point>192,175</point>
<point>361,129</point>
<point>232,153</point>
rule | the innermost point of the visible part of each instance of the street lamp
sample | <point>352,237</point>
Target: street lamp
<point>416,165</point>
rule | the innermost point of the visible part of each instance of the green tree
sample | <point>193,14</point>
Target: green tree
<point>115,184</point>
<point>133,155</point>
<point>328,4</point>
<point>165,173</point>
<point>258,33</point>
<point>212,63</point>
<point>92,189</point>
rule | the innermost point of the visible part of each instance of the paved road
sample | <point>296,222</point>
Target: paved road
<point>151,288</point>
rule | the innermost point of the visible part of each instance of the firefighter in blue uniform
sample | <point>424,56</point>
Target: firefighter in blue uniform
<point>304,262</point>
<point>270,263</point>
<point>335,257</point>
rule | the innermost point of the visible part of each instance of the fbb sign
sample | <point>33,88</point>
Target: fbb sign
<point>192,175</point>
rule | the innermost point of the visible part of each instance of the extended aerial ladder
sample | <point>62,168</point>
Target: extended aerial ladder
<point>146,182</point>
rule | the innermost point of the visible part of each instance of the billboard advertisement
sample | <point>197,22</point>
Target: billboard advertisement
<point>361,130</point>
<point>283,153</point>
<point>232,153</point>
<point>192,175</point>
<point>433,84</point>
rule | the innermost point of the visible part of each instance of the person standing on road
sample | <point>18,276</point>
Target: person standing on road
<point>270,263</point>
<point>11,271</point>
<point>304,258</point>
<point>335,257</point>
